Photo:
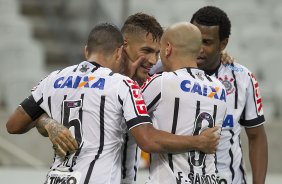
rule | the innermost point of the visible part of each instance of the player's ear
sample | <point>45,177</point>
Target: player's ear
<point>119,53</point>
<point>223,44</point>
<point>125,41</point>
<point>168,50</point>
<point>86,52</point>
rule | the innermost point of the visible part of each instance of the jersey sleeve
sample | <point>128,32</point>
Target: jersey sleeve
<point>31,104</point>
<point>133,105</point>
<point>37,91</point>
<point>252,115</point>
<point>151,91</point>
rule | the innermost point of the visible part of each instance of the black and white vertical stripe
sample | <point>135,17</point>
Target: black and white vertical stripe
<point>173,130</point>
<point>236,88</point>
<point>80,146</point>
<point>124,158</point>
<point>231,155</point>
<point>102,136</point>
<point>198,108</point>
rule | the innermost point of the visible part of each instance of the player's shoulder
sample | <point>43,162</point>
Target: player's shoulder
<point>150,79</point>
<point>216,81</point>
<point>237,68</point>
<point>121,80</point>
<point>64,71</point>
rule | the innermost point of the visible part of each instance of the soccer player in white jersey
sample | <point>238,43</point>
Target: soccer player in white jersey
<point>97,104</point>
<point>142,34</point>
<point>183,100</point>
<point>243,99</point>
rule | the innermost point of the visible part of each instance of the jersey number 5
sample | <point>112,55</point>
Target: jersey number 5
<point>72,117</point>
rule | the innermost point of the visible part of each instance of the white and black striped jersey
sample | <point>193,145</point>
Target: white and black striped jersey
<point>244,109</point>
<point>184,102</point>
<point>130,159</point>
<point>97,106</point>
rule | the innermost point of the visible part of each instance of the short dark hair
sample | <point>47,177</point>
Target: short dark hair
<point>142,21</point>
<point>213,16</point>
<point>104,37</point>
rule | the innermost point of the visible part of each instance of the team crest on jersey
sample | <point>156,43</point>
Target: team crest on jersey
<point>83,68</point>
<point>200,76</point>
<point>139,104</point>
<point>228,84</point>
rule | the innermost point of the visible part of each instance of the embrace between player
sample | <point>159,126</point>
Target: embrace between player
<point>143,47</point>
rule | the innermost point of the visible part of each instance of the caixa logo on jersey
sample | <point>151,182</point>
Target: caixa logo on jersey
<point>140,106</point>
<point>257,95</point>
<point>79,82</point>
<point>203,90</point>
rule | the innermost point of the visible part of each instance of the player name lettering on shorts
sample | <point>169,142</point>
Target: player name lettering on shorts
<point>196,178</point>
<point>203,90</point>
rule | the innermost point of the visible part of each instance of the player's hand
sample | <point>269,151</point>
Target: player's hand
<point>130,69</point>
<point>61,137</point>
<point>209,140</point>
<point>226,58</point>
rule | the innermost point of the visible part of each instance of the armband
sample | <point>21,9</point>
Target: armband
<point>32,108</point>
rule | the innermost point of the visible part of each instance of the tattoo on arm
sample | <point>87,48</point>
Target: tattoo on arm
<point>49,127</point>
<point>41,125</point>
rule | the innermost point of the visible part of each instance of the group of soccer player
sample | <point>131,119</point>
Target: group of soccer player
<point>187,113</point>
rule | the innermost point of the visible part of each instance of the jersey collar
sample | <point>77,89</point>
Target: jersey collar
<point>95,63</point>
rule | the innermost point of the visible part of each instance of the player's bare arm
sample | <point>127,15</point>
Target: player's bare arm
<point>61,137</point>
<point>258,153</point>
<point>152,140</point>
<point>19,122</point>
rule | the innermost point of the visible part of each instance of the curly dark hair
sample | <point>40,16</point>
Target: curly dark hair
<point>213,16</point>
<point>143,22</point>
<point>106,37</point>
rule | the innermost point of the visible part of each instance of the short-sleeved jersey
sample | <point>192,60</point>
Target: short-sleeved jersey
<point>184,102</point>
<point>244,108</point>
<point>97,106</point>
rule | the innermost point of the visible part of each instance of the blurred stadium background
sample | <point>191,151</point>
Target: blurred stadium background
<point>38,36</point>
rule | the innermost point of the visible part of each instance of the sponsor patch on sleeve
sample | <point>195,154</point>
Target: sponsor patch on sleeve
<point>138,101</point>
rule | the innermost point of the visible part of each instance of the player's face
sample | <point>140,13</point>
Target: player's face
<point>209,57</point>
<point>142,45</point>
